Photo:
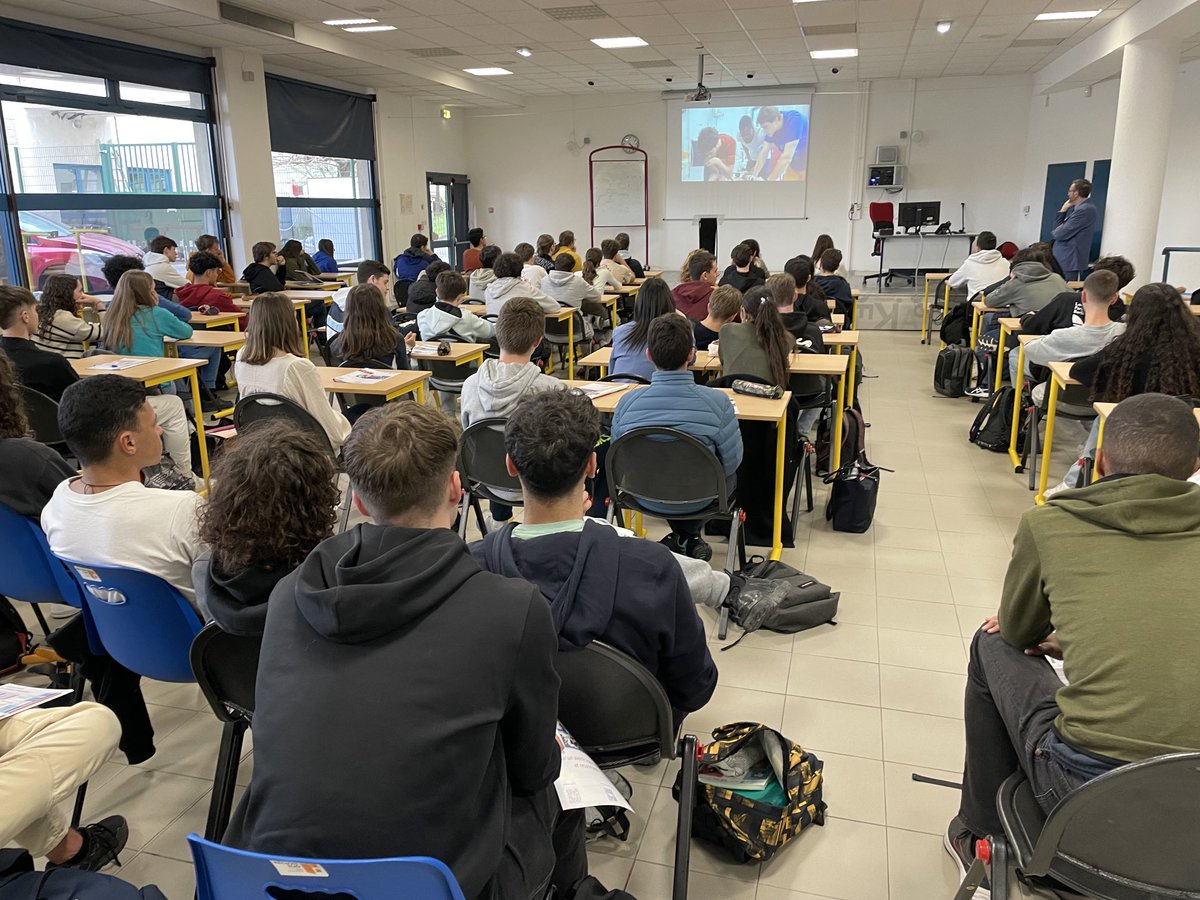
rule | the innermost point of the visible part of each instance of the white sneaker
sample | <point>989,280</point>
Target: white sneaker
<point>978,392</point>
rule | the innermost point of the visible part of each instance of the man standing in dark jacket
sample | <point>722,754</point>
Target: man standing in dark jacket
<point>626,592</point>
<point>407,699</point>
<point>1074,226</point>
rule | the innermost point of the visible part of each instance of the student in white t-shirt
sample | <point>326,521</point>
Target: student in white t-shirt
<point>107,516</point>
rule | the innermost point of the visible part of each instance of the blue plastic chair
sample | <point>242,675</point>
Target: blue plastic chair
<point>223,873</point>
<point>28,570</point>
<point>140,620</point>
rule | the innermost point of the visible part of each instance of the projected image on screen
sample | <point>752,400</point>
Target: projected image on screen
<point>745,143</point>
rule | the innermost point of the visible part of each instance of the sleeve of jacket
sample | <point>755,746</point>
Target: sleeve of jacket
<point>729,438</point>
<point>168,276</point>
<point>1058,344</point>
<point>960,274</point>
<point>528,726</point>
<point>170,325</point>
<point>549,304</point>
<point>182,313</point>
<point>1024,607</point>
<point>1071,225</point>
<point>1045,319</point>
<point>471,326</point>
<point>998,299</point>
<point>307,384</point>
<point>63,375</point>
<point>685,666</point>
<point>77,328</point>
<point>1085,370</point>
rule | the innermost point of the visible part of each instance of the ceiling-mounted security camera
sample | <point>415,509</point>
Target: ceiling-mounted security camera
<point>701,94</point>
<point>835,70</point>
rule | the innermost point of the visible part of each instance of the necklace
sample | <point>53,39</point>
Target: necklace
<point>89,488</point>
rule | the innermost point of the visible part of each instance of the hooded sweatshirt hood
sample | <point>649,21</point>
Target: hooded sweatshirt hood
<point>480,279</point>
<point>560,279</point>
<point>150,258</point>
<point>986,257</point>
<point>1140,505</point>
<point>1031,272</point>
<point>498,386</point>
<point>238,603</point>
<point>691,298</point>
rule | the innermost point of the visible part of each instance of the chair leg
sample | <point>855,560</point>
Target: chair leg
<point>224,780</point>
<point>999,868</point>
<point>42,623</point>
<point>479,520</point>
<point>1031,446</point>
<point>347,503</point>
<point>683,829</point>
<point>734,536</point>
<point>463,511</point>
<point>77,813</point>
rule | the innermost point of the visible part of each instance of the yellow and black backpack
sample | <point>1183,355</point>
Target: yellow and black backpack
<point>752,830</point>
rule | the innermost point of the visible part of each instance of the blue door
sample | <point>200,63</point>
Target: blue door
<point>1100,169</point>
<point>1058,178</point>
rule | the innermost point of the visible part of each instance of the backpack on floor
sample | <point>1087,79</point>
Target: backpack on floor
<point>952,370</point>
<point>992,428</point>
<point>855,486</point>
<point>956,328</point>
<point>801,603</point>
<point>15,638</point>
<point>751,826</point>
<point>854,434</point>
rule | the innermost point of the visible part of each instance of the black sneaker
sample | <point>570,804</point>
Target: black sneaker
<point>674,543</point>
<point>697,548</point>
<point>102,841</point>
<point>960,844</point>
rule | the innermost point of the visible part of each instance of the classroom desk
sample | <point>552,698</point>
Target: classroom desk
<point>345,279</point>
<point>1060,377</point>
<point>216,320</point>
<point>1075,285</point>
<point>652,273</point>
<point>855,293</point>
<point>978,308</point>
<point>1194,309</point>
<point>228,341</point>
<point>401,382</point>
<point>749,409</point>
<point>155,371</point>
<point>930,278</point>
<point>1008,325</point>
<point>612,301</point>
<point>460,355</point>
<point>308,294</point>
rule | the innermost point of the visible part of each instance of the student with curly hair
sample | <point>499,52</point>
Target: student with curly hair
<point>273,500</point>
<point>59,326</point>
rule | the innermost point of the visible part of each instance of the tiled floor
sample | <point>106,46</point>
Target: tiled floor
<point>878,697</point>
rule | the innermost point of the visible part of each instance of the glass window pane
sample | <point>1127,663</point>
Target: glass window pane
<point>351,229</point>
<point>23,76</point>
<point>60,150</point>
<point>54,239</point>
<point>327,177</point>
<point>148,93</point>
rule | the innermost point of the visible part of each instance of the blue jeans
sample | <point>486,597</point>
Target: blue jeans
<point>208,372</point>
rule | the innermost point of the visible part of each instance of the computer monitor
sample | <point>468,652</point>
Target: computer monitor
<point>914,215</point>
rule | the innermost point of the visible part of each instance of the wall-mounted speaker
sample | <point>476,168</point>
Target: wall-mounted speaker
<point>887,156</point>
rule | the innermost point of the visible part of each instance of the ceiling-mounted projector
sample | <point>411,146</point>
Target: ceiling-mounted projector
<point>701,93</point>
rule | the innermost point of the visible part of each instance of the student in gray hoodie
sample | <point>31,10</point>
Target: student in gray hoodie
<point>495,390</point>
<point>483,276</point>
<point>509,285</point>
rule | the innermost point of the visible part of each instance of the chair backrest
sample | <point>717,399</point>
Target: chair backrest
<point>257,407</point>
<point>665,465</point>
<point>141,621</point>
<point>882,212</point>
<point>43,416</point>
<point>613,706</point>
<point>481,457</point>
<point>226,668</point>
<point>28,570</point>
<point>627,377</point>
<point>223,873</point>
<point>557,329</point>
<point>1137,826</point>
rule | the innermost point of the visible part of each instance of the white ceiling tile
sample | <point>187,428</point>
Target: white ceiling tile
<point>770,18</point>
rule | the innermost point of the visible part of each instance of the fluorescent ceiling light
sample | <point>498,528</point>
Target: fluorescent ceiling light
<point>943,27</point>
<point>488,72</point>
<point>618,42</point>
<point>363,29</point>
<point>1062,16</point>
<point>350,21</point>
<point>805,1</point>
<point>524,51</point>
<point>848,53</point>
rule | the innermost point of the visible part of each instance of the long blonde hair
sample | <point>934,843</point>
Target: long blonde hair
<point>272,327</point>
<point>134,292</point>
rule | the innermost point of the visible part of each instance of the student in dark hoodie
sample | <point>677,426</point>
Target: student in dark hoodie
<point>833,285</point>
<point>447,746</point>
<point>601,586</point>
<point>691,297</point>
<point>810,299</point>
<point>413,261</point>
<point>273,499</point>
<point>260,274</point>
<point>740,273</point>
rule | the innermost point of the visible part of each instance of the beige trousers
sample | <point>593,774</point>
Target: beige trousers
<point>45,754</point>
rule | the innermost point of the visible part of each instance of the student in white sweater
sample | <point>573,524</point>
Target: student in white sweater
<point>595,273</point>
<point>107,516</point>
<point>446,314</point>
<point>531,272</point>
<point>508,285</point>
<point>59,327</point>
<point>273,362</point>
<point>983,267</point>
<point>612,262</point>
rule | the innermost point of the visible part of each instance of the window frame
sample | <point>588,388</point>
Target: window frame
<point>372,203</point>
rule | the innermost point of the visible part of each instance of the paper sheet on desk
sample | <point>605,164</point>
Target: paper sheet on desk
<point>117,364</point>
<point>580,782</point>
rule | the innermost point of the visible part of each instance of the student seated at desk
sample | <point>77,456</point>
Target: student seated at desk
<point>756,259</point>
<point>40,370</point>
<point>447,316</point>
<point>691,296</point>
<point>1103,578</point>
<point>544,252</point>
<point>272,361</point>
<point>740,273</point>
<point>825,242</point>
<point>796,312</point>
<point>831,284</point>
<point>203,293</point>
<point>1066,309</point>
<point>298,265</point>
<point>260,274</point>
<point>674,400</point>
<point>531,272</point>
<point>456,763</point>
<point>415,259</point>
<point>107,515</point>
<point>483,275</point>
<point>985,266</point>
<point>629,339</point>
<point>508,286</point>
<point>595,273</point>
<point>601,585</point>
<point>613,263</point>
<point>368,337</point>
<point>60,328</point>
<point>370,271</point>
<point>759,344</point>
<point>724,306</point>
<point>634,266</point>
<point>324,257</point>
<point>495,389</point>
<point>809,297</point>
<point>472,258</point>
<point>274,497</point>
<point>422,293</point>
<point>208,243</point>
<point>159,261</point>
<point>569,288</point>
<point>566,244</point>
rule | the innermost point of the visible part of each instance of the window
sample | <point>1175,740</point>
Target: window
<point>98,166</point>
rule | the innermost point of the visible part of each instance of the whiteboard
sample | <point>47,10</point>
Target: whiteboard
<point>618,192</point>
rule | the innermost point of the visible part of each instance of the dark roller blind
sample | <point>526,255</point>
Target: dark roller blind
<point>22,44</point>
<point>319,121</point>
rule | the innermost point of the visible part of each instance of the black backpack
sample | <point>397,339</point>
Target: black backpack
<point>952,371</point>
<point>15,638</point>
<point>805,603</point>
<point>854,434</point>
<point>956,328</point>
<point>992,428</point>
<point>855,486</point>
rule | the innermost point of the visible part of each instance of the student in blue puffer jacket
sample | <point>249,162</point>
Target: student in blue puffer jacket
<point>674,400</point>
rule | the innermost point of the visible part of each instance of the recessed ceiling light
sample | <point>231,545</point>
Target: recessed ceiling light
<point>524,51</point>
<point>805,1</point>
<point>350,22</point>
<point>834,54</point>
<point>943,27</point>
<point>1062,16</point>
<point>363,29</point>
<point>618,42</point>
<point>488,72</point>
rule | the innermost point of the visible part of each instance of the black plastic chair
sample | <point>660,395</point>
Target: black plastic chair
<point>43,418</point>
<point>619,714</point>
<point>557,336</point>
<point>808,392</point>
<point>626,377</point>
<point>448,377</point>
<point>1075,395</point>
<point>226,668</point>
<point>1130,834</point>
<point>259,407</point>
<point>481,463</point>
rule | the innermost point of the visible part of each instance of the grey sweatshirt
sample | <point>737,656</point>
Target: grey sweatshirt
<point>1075,342</point>
<point>1031,287</point>
<point>493,391</point>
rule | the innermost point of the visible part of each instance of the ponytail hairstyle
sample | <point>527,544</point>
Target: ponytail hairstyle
<point>591,262</point>
<point>566,241</point>
<point>770,333</point>
<point>545,246</point>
